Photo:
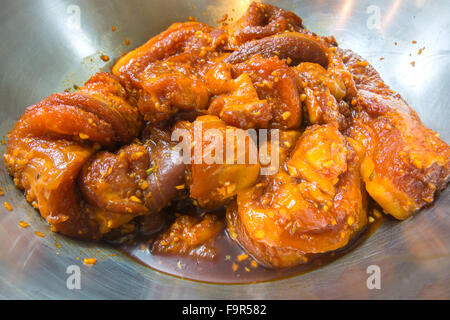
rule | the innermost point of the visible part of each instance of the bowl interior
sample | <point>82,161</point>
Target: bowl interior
<point>51,45</point>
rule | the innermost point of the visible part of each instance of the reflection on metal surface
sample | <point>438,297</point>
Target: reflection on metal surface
<point>345,12</point>
<point>38,52</point>
<point>391,14</point>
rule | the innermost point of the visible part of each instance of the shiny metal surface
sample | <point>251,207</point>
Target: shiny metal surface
<point>49,45</point>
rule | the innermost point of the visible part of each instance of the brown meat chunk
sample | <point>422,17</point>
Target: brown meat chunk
<point>261,93</point>
<point>286,219</point>
<point>139,179</point>
<point>165,74</point>
<point>112,181</point>
<point>295,46</point>
<point>405,163</point>
<point>261,20</point>
<point>323,95</point>
<point>189,235</point>
<point>215,178</point>
<point>54,138</point>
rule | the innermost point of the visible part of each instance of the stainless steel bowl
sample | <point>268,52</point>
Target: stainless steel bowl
<point>50,45</point>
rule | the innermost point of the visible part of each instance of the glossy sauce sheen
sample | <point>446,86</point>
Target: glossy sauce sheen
<point>220,270</point>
